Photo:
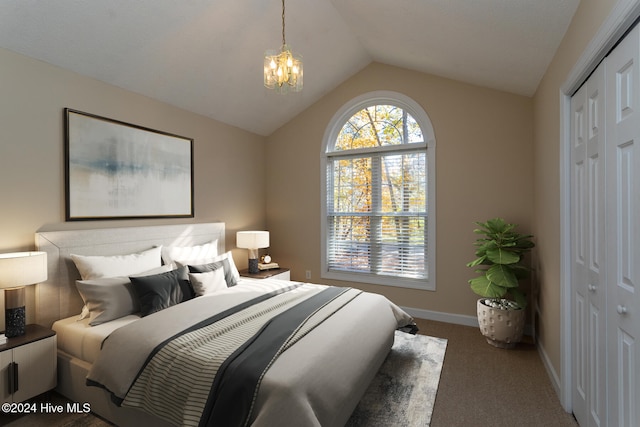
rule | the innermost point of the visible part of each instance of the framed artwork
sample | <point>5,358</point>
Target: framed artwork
<point>117,170</point>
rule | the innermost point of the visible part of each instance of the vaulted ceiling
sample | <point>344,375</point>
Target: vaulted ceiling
<point>206,56</point>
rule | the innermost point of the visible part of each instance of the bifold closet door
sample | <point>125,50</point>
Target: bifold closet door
<point>587,236</point>
<point>623,230</point>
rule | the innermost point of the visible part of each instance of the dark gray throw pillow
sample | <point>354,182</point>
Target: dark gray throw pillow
<point>162,291</point>
<point>224,264</point>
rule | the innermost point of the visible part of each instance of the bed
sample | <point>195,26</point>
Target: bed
<point>129,367</point>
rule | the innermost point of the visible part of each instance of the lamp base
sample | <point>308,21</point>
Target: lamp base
<point>14,321</point>
<point>253,265</point>
<point>14,311</point>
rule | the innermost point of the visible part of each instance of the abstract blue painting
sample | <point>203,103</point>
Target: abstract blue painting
<point>119,170</point>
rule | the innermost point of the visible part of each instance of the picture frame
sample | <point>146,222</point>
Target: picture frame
<point>118,170</point>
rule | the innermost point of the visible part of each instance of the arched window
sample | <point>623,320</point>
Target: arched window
<point>378,198</point>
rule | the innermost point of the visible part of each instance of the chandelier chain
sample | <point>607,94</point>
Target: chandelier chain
<point>283,40</point>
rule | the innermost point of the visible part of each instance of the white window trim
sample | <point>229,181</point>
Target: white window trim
<point>329,139</point>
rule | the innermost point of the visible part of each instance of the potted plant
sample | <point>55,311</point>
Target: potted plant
<point>501,310</point>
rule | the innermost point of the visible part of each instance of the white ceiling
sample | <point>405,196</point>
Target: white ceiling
<point>206,55</point>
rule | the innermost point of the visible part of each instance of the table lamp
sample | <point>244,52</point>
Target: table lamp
<point>17,270</point>
<point>252,240</point>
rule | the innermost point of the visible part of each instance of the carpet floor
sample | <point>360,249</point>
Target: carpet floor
<point>481,385</point>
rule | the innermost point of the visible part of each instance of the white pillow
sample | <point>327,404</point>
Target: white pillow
<point>182,254</point>
<point>232,265</point>
<point>96,267</point>
<point>224,256</point>
<point>209,282</point>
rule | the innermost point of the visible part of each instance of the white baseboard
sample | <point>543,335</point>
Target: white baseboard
<point>551,372</point>
<point>456,319</point>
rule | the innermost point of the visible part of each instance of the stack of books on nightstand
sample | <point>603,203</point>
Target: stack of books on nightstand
<point>3,339</point>
<point>268,266</point>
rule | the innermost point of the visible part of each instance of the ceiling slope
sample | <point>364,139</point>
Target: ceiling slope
<point>205,56</point>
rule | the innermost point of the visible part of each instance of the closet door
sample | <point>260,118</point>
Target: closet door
<point>587,235</point>
<point>623,231</point>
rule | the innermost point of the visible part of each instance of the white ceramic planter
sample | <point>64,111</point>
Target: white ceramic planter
<point>501,328</point>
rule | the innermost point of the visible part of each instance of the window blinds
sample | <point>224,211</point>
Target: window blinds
<point>377,213</point>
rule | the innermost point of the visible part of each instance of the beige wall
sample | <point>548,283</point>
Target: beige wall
<point>586,22</point>
<point>484,169</point>
<point>228,163</point>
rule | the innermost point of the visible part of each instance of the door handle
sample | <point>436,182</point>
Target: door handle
<point>12,372</point>
<point>592,288</point>
<point>621,309</point>
<point>16,371</point>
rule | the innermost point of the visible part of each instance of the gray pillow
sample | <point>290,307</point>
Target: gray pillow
<point>162,291</point>
<point>108,298</point>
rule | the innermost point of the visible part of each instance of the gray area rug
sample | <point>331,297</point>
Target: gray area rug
<point>403,392</point>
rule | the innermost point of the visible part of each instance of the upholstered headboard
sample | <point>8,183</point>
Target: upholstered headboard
<point>58,298</point>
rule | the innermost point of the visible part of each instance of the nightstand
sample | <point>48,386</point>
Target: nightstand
<point>28,364</point>
<point>274,273</point>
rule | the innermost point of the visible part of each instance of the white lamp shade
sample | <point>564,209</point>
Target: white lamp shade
<point>22,268</point>
<point>252,239</point>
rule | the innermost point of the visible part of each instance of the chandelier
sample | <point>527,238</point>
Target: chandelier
<point>283,69</point>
